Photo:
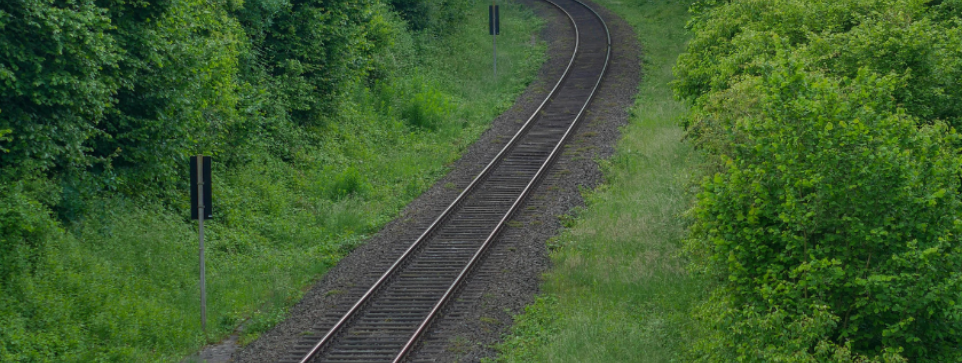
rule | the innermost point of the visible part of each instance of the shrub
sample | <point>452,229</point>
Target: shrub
<point>426,109</point>
<point>321,46</point>
<point>835,218</point>
<point>831,216</point>
<point>25,225</point>
<point>176,93</point>
<point>55,87</point>
<point>348,182</point>
<point>908,38</point>
<point>430,15</point>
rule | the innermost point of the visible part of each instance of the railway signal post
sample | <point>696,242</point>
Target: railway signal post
<point>201,208</point>
<point>494,28</point>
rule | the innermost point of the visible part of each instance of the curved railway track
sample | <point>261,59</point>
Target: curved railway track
<point>388,320</point>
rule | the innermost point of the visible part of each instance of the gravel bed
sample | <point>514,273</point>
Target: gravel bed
<point>509,277</point>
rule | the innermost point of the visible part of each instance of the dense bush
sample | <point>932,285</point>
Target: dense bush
<point>835,206</point>
<point>56,65</point>
<point>430,15</point>
<point>25,225</point>
<point>911,39</point>
<point>176,86</point>
<point>112,95</point>
<point>831,217</point>
<point>318,46</point>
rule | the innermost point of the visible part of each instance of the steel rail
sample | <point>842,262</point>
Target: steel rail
<point>517,202</point>
<point>451,207</point>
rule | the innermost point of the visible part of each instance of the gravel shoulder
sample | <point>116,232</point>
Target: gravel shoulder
<point>509,277</point>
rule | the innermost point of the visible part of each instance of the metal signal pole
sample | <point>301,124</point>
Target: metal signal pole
<point>202,204</point>
<point>200,222</point>
<point>494,27</point>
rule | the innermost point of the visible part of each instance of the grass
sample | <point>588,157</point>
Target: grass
<point>120,285</point>
<point>618,290</point>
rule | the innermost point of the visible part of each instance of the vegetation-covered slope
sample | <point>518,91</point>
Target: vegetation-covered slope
<point>324,119</point>
<point>830,219</point>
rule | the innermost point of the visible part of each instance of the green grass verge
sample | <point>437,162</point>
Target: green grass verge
<point>121,284</point>
<point>619,290</point>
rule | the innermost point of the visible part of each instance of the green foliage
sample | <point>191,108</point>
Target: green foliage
<point>432,15</point>
<point>427,107</point>
<point>831,198</point>
<point>320,46</point>
<point>176,93</point>
<point>25,226</point>
<point>748,336</point>
<point>56,64</point>
<point>4,137</point>
<point>830,219</point>
<point>348,182</point>
<point>135,84</point>
<point>906,38</point>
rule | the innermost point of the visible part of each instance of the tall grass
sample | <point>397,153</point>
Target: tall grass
<point>618,290</point>
<point>121,285</point>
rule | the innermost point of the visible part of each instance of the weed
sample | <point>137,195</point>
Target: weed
<point>348,182</point>
<point>428,109</point>
<point>459,345</point>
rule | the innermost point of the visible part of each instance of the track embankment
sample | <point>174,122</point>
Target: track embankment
<point>506,278</point>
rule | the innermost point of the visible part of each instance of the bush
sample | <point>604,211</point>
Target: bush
<point>55,87</point>
<point>25,225</point>
<point>430,15</point>
<point>833,205</point>
<point>906,38</point>
<point>830,221</point>
<point>348,182</point>
<point>317,47</point>
<point>426,108</point>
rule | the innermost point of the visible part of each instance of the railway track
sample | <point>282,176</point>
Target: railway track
<point>388,320</point>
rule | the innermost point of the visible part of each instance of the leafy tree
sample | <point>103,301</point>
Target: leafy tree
<point>56,82</point>
<point>316,47</point>
<point>177,94</point>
